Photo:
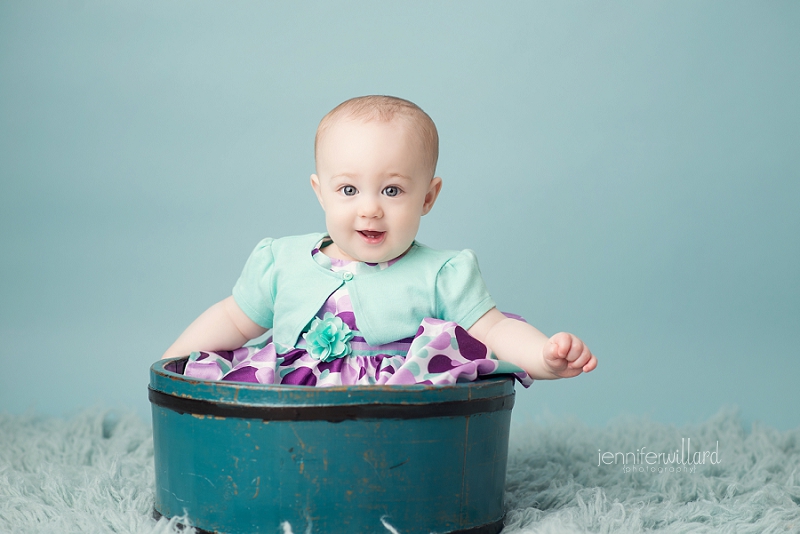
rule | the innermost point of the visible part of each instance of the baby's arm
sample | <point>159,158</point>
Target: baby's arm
<point>561,356</point>
<point>224,326</point>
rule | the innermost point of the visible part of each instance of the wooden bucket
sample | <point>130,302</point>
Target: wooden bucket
<point>245,458</point>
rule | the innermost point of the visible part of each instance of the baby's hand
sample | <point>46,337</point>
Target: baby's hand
<point>567,356</point>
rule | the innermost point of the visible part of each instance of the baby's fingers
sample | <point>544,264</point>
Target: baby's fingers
<point>583,359</point>
<point>570,354</point>
<point>561,345</point>
<point>567,346</point>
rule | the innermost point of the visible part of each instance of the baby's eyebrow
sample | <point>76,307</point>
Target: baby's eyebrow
<point>344,176</point>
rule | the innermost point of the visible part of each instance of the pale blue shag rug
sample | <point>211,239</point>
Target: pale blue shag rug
<point>93,473</point>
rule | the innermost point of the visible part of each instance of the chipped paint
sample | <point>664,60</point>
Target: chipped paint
<point>233,485</point>
<point>296,435</point>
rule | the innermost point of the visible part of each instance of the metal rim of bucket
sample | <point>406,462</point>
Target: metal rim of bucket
<point>330,413</point>
<point>174,391</point>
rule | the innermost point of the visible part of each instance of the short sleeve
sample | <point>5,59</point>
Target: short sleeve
<point>461,294</point>
<point>253,291</point>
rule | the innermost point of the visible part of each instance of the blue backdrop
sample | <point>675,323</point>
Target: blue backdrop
<point>628,171</point>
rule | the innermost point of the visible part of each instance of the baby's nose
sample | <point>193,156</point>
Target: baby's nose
<point>370,208</point>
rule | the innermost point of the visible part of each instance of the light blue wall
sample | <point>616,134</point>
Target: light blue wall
<point>626,171</point>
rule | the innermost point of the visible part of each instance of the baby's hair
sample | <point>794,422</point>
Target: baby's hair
<point>386,108</point>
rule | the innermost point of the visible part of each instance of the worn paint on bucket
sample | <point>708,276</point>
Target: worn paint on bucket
<point>245,458</point>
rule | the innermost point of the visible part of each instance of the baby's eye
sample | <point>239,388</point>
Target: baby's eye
<point>349,190</point>
<point>391,191</point>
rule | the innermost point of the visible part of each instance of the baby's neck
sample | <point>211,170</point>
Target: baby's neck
<point>330,249</point>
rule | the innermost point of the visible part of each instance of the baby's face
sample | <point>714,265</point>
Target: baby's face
<point>374,185</point>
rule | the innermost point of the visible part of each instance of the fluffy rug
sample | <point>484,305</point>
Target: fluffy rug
<point>94,473</point>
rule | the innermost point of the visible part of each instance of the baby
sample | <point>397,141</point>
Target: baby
<point>364,303</point>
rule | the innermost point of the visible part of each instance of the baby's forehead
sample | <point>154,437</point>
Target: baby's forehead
<point>343,126</point>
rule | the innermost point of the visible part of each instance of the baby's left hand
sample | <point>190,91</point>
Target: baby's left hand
<point>567,356</point>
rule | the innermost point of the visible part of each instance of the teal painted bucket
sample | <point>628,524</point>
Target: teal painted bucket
<point>246,458</point>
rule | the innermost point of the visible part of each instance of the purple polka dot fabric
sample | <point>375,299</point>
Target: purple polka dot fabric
<point>441,353</point>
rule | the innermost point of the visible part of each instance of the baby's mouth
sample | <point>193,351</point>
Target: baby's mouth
<point>372,237</point>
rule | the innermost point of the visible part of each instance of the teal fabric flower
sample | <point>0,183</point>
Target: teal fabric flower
<point>329,338</point>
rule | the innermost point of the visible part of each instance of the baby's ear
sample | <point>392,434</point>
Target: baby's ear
<point>315,187</point>
<point>431,195</point>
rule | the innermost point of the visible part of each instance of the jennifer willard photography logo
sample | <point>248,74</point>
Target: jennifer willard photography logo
<point>682,460</point>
